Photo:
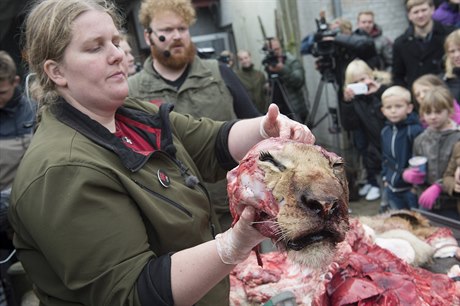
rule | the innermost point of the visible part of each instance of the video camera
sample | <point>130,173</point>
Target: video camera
<point>270,59</point>
<point>225,59</point>
<point>324,48</point>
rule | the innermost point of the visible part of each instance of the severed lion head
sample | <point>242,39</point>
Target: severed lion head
<point>300,193</point>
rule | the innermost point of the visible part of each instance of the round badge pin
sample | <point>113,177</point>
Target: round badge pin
<point>163,178</point>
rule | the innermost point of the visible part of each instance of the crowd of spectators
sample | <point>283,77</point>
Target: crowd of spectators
<point>420,109</point>
<point>423,60</point>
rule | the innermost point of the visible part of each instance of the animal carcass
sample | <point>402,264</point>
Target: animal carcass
<point>300,194</point>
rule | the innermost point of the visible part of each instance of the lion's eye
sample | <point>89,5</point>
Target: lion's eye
<point>338,166</point>
<point>266,156</point>
<point>337,163</point>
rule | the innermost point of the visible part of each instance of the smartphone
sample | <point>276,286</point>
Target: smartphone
<point>358,88</point>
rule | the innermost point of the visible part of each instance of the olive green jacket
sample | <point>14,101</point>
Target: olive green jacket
<point>255,81</point>
<point>203,94</point>
<point>89,214</point>
<point>292,77</point>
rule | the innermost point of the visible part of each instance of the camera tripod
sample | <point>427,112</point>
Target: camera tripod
<point>279,96</point>
<point>327,77</point>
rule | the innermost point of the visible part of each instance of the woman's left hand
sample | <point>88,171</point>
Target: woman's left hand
<point>275,124</point>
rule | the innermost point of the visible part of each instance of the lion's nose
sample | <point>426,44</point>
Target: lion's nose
<point>322,208</point>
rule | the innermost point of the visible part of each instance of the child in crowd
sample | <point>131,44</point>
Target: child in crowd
<point>451,178</point>
<point>362,115</point>
<point>17,121</point>
<point>401,128</point>
<point>436,144</point>
<point>424,84</point>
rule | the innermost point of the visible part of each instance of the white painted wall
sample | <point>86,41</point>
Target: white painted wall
<point>242,14</point>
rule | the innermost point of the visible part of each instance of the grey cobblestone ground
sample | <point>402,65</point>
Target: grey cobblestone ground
<point>364,208</point>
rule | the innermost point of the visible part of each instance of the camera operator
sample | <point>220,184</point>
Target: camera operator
<point>336,43</point>
<point>284,67</point>
<point>335,46</point>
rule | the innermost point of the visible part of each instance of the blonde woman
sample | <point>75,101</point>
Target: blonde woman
<point>452,63</point>
<point>102,208</point>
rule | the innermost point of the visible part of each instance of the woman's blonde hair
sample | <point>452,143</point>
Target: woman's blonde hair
<point>429,80</point>
<point>151,8</point>
<point>436,100</point>
<point>452,39</point>
<point>358,66</point>
<point>48,32</point>
<point>345,26</point>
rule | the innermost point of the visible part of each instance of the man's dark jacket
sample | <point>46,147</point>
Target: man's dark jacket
<point>413,58</point>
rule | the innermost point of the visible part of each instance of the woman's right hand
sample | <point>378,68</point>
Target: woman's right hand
<point>348,94</point>
<point>235,244</point>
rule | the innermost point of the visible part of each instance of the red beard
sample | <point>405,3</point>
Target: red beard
<point>175,60</point>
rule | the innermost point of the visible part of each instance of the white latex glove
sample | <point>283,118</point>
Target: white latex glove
<point>235,244</point>
<point>274,124</point>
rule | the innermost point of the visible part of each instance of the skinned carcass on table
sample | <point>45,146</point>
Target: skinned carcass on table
<point>440,239</point>
<point>300,194</point>
<point>362,274</point>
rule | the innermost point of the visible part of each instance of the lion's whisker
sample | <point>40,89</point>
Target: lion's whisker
<point>262,222</point>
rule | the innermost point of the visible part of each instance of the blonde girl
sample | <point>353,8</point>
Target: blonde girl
<point>426,83</point>
<point>436,143</point>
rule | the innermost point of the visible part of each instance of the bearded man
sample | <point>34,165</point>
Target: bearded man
<point>173,73</point>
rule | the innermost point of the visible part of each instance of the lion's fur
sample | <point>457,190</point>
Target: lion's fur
<point>302,174</point>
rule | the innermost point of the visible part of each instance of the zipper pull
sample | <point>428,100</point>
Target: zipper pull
<point>212,227</point>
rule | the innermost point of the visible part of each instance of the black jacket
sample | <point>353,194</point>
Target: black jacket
<point>413,58</point>
<point>363,112</point>
<point>397,141</point>
<point>454,84</point>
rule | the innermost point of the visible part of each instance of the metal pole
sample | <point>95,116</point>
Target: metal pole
<point>337,8</point>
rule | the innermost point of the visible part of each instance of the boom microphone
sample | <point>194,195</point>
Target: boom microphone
<point>161,38</point>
